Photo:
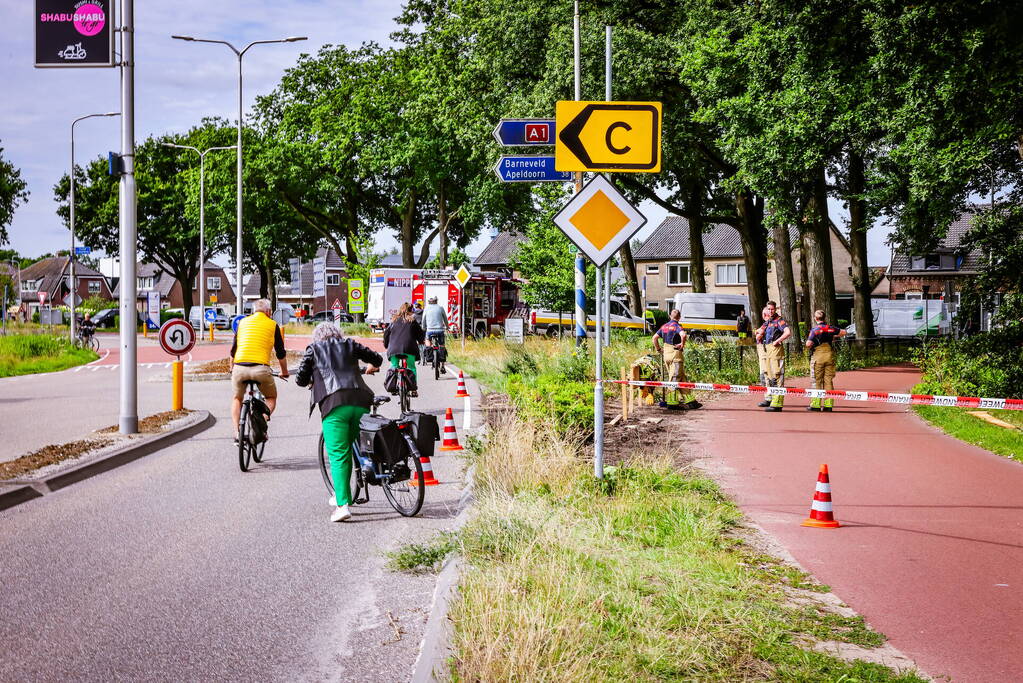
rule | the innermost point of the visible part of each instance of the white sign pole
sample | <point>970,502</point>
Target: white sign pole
<point>129,416</point>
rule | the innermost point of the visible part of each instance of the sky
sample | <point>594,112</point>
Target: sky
<point>177,84</point>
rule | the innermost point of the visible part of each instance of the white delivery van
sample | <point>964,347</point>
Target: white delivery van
<point>908,318</point>
<point>704,315</point>
<point>389,288</point>
<point>553,324</point>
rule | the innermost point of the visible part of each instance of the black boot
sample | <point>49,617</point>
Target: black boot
<point>763,404</point>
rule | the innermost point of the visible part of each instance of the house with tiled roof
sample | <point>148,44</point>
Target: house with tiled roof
<point>51,276</point>
<point>152,277</point>
<point>497,255</point>
<point>943,268</point>
<point>664,263</point>
<point>300,294</point>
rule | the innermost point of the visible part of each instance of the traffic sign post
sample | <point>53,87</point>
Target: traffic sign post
<point>462,277</point>
<point>177,338</point>
<point>210,316</point>
<point>525,132</point>
<point>525,168</point>
<point>336,307</point>
<point>608,136</point>
<point>356,297</point>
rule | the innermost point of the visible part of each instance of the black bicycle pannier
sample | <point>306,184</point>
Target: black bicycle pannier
<point>381,440</point>
<point>442,353</point>
<point>391,381</point>
<point>428,355</point>
<point>425,431</point>
<point>257,421</point>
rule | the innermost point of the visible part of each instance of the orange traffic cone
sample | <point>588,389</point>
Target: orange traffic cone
<point>461,386</point>
<point>821,514</point>
<point>428,478</point>
<point>450,436</point>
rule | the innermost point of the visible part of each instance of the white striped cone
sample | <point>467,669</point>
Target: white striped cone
<point>461,386</point>
<point>822,515</point>
<point>428,478</point>
<point>450,442</point>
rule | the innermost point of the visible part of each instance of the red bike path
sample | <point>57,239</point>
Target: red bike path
<point>931,547</point>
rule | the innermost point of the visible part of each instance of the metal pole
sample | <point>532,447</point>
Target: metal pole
<point>238,210</point>
<point>598,391</point>
<point>607,267</point>
<point>202,241</point>
<point>580,262</point>
<point>129,419</point>
<point>71,254</point>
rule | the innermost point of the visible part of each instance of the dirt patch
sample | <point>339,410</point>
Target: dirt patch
<point>49,455</point>
<point>153,424</point>
<point>223,365</point>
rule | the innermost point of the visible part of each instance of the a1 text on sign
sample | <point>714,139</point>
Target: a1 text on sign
<point>72,33</point>
<point>525,132</point>
<point>177,337</point>
<point>608,136</point>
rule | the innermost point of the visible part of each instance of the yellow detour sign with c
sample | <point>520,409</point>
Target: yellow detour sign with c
<point>608,136</point>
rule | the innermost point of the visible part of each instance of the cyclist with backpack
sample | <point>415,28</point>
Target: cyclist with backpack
<point>330,367</point>
<point>257,337</point>
<point>402,339</point>
<point>436,325</point>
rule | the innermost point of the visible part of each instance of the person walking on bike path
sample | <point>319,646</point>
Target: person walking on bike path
<point>771,338</point>
<point>674,339</point>
<point>402,339</point>
<point>436,325</point>
<point>86,328</point>
<point>822,360</point>
<point>258,335</point>
<point>330,366</point>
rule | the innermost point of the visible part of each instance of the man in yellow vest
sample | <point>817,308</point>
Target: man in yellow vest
<point>257,336</point>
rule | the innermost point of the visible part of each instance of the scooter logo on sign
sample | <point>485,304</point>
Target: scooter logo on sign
<point>75,51</point>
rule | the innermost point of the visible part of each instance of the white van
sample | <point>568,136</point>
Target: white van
<point>908,318</point>
<point>554,324</point>
<point>704,315</point>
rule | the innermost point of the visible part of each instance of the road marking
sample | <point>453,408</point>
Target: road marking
<point>466,414</point>
<point>106,352</point>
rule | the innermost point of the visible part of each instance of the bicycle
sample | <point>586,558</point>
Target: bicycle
<point>86,341</point>
<point>438,354</point>
<point>404,385</point>
<point>395,476</point>
<point>248,450</point>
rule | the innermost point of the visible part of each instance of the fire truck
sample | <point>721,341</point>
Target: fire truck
<point>489,299</point>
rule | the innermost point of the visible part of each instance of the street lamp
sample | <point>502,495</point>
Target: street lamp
<point>202,222</point>
<point>71,255</point>
<point>238,236</point>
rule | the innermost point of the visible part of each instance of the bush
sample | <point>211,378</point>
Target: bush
<point>988,364</point>
<point>35,317</point>
<point>169,315</point>
<point>656,317</point>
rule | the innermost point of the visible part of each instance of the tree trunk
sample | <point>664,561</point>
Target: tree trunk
<point>631,277</point>
<point>786,279</point>
<point>408,218</point>
<point>271,282</point>
<point>816,234</point>
<point>186,294</point>
<point>264,279</point>
<point>696,251</point>
<point>862,316</point>
<point>754,251</point>
<point>442,225</point>
<point>806,310</point>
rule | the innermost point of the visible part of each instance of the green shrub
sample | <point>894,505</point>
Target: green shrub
<point>169,315</point>
<point>656,317</point>
<point>988,364</point>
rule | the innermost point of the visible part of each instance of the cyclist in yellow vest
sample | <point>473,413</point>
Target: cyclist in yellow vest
<point>258,335</point>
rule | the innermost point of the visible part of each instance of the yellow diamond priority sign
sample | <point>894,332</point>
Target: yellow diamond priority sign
<point>599,220</point>
<point>462,276</point>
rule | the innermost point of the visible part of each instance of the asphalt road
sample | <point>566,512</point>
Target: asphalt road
<point>180,567</point>
<point>931,547</point>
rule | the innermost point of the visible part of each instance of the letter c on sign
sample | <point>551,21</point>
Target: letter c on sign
<point>607,137</point>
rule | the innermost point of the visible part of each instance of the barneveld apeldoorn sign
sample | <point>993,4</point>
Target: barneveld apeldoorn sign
<point>74,33</point>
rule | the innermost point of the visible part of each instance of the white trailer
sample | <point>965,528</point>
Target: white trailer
<point>908,318</point>
<point>389,288</point>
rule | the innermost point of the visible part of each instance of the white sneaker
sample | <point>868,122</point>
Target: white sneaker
<point>332,501</point>
<point>341,514</point>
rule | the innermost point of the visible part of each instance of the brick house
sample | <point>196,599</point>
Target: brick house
<point>151,277</point>
<point>664,263</point>
<point>928,276</point>
<point>497,255</point>
<point>300,295</point>
<point>52,276</point>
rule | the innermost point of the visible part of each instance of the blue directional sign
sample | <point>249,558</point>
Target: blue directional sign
<point>525,168</point>
<point>515,132</point>
<point>211,315</point>
<point>82,251</point>
<point>234,322</point>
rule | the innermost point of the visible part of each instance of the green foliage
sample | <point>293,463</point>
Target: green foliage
<point>456,257</point>
<point>166,315</point>
<point>23,354</point>
<point>13,192</point>
<point>988,364</point>
<point>416,558</point>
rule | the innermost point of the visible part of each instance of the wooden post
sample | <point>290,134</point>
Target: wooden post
<point>625,397</point>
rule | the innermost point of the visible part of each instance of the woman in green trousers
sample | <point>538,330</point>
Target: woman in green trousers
<point>330,367</point>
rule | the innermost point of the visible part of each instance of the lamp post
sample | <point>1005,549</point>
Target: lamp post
<point>238,210</point>
<point>202,223</point>
<point>71,205</point>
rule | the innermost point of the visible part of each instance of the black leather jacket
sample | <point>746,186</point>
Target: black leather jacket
<point>332,365</point>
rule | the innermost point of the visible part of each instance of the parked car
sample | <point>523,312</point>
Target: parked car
<point>106,317</point>
<point>553,324</point>
<point>704,315</point>
<point>284,314</point>
<point>907,318</point>
<point>323,316</point>
<point>222,321</point>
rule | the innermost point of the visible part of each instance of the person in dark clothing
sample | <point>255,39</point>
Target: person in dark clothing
<point>330,367</point>
<point>743,327</point>
<point>403,337</point>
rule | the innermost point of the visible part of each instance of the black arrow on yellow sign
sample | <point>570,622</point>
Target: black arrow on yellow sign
<point>612,136</point>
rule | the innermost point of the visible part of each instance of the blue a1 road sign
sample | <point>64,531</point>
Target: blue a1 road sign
<point>515,132</point>
<point>210,315</point>
<point>82,251</point>
<point>525,168</point>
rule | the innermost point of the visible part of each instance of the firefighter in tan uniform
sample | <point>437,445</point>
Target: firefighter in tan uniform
<point>764,315</point>
<point>771,338</point>
<point>822,361</point>
<point>673,337</point>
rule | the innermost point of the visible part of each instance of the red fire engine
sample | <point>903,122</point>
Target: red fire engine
<point>489,299</point>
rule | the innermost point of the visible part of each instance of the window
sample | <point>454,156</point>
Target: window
<point>916,296</point>
<point>727,311</point>
<point>618,309</point>
<point>30,285</point>
<point>653,270</point>
<point>333,279</point>
<point>94,287</point>
<point>652,304</point>
<point>678,274</point>
<point>213,282</point>
<point>146,282</point>
<point>731,274</point>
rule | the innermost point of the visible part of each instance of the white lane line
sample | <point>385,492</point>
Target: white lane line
<point>466,414</point>
<point>166,365</point>
<point>79,368</point>
<point>106,352</point>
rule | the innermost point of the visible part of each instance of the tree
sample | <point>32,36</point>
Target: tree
<point>13,193</point>
<point>455,258</point>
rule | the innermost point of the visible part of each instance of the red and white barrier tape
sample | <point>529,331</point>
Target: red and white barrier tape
<point>873,396</point>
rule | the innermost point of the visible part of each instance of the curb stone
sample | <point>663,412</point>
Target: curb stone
<point>25,490</point>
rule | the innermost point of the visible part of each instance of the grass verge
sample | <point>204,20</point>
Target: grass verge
<point>350,329</point>
<point>26,354</point>
<point>639,576</point>
<point>959,423</point>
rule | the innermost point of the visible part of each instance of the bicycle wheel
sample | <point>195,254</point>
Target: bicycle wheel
<point>436,366</point>
<point>405,498</point>
<point>357,483</point>
<point>404,401</point>
<point>94,343</point>
<point>244,447</point>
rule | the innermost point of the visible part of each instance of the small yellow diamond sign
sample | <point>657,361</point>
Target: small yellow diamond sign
<point>462,276</point>
<point>599,220</point>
